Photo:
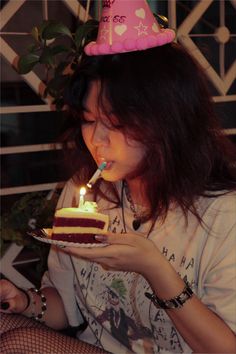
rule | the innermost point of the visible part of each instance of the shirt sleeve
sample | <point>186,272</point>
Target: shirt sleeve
<point>69,196</point>
<point>218,266</point>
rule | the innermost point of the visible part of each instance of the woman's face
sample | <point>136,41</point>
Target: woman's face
<point>106,143</point>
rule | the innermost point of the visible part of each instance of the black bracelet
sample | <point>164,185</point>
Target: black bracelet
<point>174,303</point>
<point>28,298</point>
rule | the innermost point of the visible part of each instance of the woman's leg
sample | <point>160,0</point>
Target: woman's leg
<point>43,341</point>
<point>13,321</point>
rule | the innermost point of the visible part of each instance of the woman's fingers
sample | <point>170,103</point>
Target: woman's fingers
<point>120,239</point>
<point>87,253</point>
<point>12,299</point>
<point>121,252</point>
<point>119,246</point>
<point>106,251</point>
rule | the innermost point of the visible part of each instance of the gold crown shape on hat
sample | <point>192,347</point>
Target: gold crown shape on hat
<point>126,26</point>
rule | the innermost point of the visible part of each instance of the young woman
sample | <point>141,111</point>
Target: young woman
<point>165,279</point>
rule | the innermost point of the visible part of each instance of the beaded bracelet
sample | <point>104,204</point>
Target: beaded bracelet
<point>39,316</point>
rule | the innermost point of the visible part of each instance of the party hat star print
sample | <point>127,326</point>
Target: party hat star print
<point>126,26</point>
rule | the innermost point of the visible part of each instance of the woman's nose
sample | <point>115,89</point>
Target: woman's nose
<point>100,134</point>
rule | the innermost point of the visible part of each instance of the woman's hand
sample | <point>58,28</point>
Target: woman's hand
<point>133,253</point>
<point>127,252</point>
<point>13,300</point>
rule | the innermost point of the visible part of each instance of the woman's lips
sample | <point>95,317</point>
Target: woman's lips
<point>102,160</point>
<point>108,165</point>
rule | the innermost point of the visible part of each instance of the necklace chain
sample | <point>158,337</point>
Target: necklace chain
<point>130,200</point>
<point>137,219</point>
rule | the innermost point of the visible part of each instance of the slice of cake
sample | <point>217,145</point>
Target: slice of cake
<point>80,226</point>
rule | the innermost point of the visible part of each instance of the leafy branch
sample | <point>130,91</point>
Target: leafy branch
<point>32,211</point>
<point>58,59</point>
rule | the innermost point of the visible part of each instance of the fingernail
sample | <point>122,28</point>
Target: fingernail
<point>4,305</point>
<point>101,238</point>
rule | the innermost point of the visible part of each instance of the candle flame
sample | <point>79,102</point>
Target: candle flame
<point>82,191</point>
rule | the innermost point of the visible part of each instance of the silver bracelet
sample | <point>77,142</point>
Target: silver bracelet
<point>174,303</point>
<point>38,317</point>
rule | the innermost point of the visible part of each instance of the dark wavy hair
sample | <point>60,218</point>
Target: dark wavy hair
<point>160,97</point>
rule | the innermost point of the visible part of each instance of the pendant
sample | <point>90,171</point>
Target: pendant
<point>136,224</point>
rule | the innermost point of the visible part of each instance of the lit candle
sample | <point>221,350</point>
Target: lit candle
<point>82,193</point>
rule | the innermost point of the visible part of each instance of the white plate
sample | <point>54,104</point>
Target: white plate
<point>45,238</point>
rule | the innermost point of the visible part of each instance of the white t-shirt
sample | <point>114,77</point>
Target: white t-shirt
<point>121,319</point>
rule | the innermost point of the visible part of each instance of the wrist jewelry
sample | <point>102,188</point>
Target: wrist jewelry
<point>38,316</point>
<point>174,303</point>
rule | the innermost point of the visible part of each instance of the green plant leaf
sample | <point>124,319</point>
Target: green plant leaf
<point>61,67</point>
<point>15,224</point>
<point>79,35</point>
<point>35,33</point>
<point>42,26</point>
<point>91,29</point>
<point>55,29</point>
<point>83,31</point>
<point>47,57</point>
<point>33,47</point>
<point>57,59</point>
<point>58,49</point>
<point>27,62</point>
<point>57,84</point>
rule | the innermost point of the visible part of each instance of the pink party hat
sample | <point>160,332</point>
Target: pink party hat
<point>126,26</point>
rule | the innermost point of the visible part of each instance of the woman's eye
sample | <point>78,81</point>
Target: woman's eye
<point>84,121</point>
<point>87,121</point>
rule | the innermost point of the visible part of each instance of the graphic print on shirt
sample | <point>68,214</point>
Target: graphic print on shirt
<point>116,226</point>
<point>117,305</point>
<point>122,326</point>
<point>165,334</point>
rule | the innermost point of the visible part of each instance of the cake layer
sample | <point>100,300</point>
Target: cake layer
<point>78,230</point>
<point>77,213</point>
<point>80,222</point>
<point>77,238</point>
<point>74,225</point>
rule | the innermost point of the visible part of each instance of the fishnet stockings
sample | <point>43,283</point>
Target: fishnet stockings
<point>9,322</point>
<point>20,335</point>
